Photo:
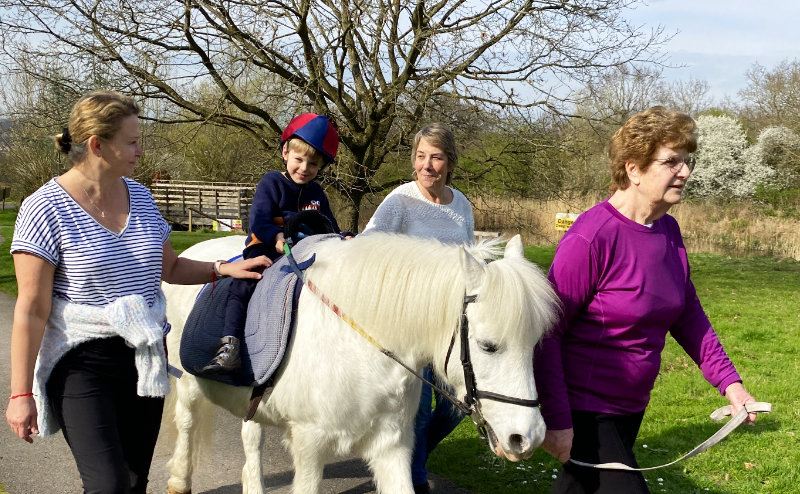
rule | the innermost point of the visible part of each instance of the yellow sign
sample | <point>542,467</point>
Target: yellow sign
<point>226,225</point>
<point>565,220</point>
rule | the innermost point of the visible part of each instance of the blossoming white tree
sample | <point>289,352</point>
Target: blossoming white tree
<point>726,165</point>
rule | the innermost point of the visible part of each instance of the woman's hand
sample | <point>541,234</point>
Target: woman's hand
<point>183,271</point>
<point>21,416</point>
<point>738,396</point>
<point>558,443</point>
<point>246,268</point>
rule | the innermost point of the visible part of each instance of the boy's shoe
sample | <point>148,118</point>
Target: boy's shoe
<point>227,358</point>
<point>422,488</point>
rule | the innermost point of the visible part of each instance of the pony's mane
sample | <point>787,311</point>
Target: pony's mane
<point>392,284</point>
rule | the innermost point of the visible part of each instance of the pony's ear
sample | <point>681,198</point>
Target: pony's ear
<point>514,248</point>
<point>473,271</point>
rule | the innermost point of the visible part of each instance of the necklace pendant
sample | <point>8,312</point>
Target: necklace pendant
<point>102,214</point>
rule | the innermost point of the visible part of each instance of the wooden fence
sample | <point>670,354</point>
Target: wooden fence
<point>5,193</point>
<point>199,204</point>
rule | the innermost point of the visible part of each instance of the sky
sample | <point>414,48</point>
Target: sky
<point>718,41</point>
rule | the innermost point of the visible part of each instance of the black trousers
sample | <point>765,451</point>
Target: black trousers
<point>602,438</point>
<point>241,291</point>
<point>239,295</point>
<point>111,431</point>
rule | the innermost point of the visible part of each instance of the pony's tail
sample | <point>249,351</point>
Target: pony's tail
<point>168,429</point>
<point>189,423</point>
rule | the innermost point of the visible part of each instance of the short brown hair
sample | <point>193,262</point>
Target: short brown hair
<point>304,148</point>
<point>438,135</point>
<point>641,135</point>
<point>98,113</point>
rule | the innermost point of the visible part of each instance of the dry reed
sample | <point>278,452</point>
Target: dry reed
<point>734,229</point>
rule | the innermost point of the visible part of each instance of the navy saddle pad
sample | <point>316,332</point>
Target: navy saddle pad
<point>270,317</point>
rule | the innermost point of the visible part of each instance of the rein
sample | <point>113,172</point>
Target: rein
<point>719,414</point>
<point>471,404</point>
<point>350,322</point>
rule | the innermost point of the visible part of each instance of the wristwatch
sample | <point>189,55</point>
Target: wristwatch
<point>217,264</point>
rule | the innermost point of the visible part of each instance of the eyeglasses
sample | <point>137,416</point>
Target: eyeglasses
<point>675,163</point>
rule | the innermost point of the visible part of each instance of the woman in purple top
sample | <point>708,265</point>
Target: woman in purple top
<point>622,274</point>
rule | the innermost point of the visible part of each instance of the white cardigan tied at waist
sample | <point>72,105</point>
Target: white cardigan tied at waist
<point>70,324</point>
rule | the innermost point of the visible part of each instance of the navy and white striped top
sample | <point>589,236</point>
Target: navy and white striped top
<point>94,265</point>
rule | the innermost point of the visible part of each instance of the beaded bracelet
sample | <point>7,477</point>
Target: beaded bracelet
<point>19,395</point>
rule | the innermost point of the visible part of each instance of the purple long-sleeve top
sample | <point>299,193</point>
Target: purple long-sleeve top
<point>623,286</point>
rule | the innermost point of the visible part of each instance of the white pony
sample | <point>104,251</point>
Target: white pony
<point>337,394</point>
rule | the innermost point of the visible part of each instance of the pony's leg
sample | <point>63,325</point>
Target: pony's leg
<point>252,472</point>
<point>391,467</point>
<point>309,452</point>
<point>192,420</point>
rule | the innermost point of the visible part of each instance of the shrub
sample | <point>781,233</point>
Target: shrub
<point>726,165</point>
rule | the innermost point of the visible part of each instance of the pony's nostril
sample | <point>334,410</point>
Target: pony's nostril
<point>518,443</point>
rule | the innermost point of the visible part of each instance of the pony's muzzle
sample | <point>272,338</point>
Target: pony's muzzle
<point>521,448</point>
<point>517,447</point>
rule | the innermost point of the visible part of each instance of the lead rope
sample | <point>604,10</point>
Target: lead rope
<point>719,414</point>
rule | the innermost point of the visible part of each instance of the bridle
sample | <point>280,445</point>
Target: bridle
<point>471,404</point>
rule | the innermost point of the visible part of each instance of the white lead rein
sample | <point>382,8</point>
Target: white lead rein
<point>719,414</point>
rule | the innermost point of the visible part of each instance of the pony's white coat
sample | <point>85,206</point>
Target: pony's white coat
<point>336,394</point>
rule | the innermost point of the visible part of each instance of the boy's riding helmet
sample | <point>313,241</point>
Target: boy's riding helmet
<point>316,131</point>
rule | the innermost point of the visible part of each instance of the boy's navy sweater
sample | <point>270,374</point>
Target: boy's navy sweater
<point>277,198</point>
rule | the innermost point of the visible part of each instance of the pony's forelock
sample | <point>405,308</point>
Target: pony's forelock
<point>527,299</point>
<point>487,248</point>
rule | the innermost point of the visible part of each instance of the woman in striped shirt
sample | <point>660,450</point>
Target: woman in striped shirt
<point>90,250</point>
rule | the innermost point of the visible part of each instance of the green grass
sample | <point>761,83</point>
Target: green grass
<point>182,240</point>
<point>753,304</point>
<point>8,282</point>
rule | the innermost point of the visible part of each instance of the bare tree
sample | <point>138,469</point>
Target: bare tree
<point>772,98</point>
<point>619,93</point>
<point>690,96</point>
<point>373,66</point>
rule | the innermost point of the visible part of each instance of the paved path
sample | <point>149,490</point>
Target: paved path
<point>47,466</point>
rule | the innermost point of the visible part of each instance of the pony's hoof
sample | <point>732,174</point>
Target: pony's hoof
<point>170,490</point>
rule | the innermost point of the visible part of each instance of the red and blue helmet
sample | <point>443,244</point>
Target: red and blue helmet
<point>316,131</point>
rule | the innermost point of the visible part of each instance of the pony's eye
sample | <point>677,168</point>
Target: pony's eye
<point>487,346</point>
